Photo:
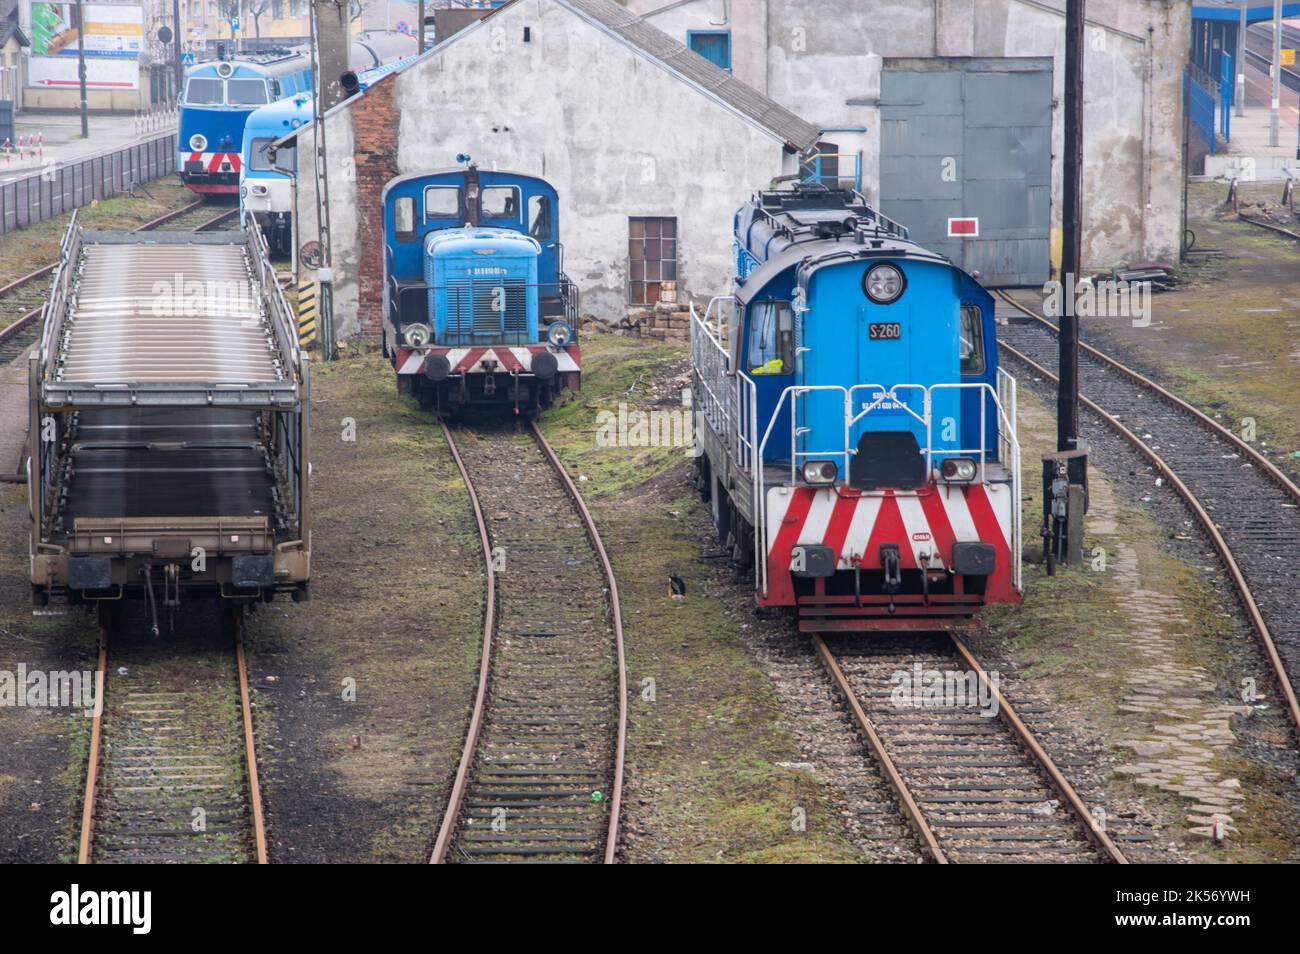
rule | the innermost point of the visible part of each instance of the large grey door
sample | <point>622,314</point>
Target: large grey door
<point>971,138</point>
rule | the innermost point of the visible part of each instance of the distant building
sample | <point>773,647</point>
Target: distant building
<point>954,108</point>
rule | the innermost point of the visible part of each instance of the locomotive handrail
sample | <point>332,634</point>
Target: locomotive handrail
<point>1006,433</point>
<point>278,312</point>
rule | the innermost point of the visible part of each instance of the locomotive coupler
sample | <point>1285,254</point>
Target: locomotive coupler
<point>892,565</point>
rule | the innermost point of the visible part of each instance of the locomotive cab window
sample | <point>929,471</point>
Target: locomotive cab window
<point>203,92</point>
<point>286,157</point>
<point>501,202</point>
<point>404,218</point>
<point>971,340</point>
<point>539,217</point>
<point>441,202</point>
<point>771,338</point>
<point>246,92</point>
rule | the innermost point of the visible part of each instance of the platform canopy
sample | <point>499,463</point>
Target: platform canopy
<point>1231,10</point>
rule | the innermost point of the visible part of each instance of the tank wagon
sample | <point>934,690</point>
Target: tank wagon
<point>857,434</point>
<point>169,412</point>
<point>477,308</point>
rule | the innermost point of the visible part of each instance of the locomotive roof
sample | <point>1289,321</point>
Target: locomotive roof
<point>811,250</point>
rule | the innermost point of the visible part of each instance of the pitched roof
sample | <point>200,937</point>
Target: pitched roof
<point>695,69</point>
<point>10,28</point>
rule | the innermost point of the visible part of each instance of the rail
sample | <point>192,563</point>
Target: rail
<point>449,829</point>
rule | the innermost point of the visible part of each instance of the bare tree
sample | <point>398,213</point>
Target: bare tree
<point>255,9</point>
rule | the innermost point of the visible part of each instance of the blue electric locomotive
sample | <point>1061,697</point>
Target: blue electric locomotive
<point>858,434</point>
<point>477,308</point>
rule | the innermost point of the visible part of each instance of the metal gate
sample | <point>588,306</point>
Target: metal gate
<point>969,139</point>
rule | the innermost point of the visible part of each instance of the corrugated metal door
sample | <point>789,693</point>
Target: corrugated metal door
<point>971,138</point>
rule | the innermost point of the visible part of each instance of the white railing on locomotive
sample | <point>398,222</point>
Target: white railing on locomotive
<point>889,398</point>
<point>710,364</point>
<point>882,394</point>
<point>733,402</point>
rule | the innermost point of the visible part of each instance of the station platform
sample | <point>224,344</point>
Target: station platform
<point>61,142</point>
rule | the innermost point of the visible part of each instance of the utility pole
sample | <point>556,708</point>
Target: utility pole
<point>1067,397</point>
<point>420,48</point>
<point>334,14</point>
<point>180,53</point>
<point>81,68</point>
<point>332,39</point>
<point>1065,472</point>
<point>1240,61</point>
<point>1275,113</point>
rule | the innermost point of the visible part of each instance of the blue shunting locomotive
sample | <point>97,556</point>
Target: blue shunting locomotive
<point>477,308</point>
<point>858,434</point>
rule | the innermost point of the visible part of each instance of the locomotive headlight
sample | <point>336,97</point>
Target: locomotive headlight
<point>883,284</point>
<point>559,334</point>
<point>417,335</point>
<point>821,472</point>
<point>198,142</point>
<point>260,190</point>
<point>958,469</point>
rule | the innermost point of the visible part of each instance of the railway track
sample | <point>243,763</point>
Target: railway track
<point>172,769</point>
<point>21,299</point>
<point>1259,49</point>
<point>541,774</point>
<point>1248,507</point>
<point>971,779</point>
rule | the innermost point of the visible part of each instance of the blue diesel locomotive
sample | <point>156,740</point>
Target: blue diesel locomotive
<point>477,308</point>
<point>857,434</point>
<point>217,99</point>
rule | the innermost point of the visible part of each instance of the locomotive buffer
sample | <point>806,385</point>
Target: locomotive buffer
<point>169,419</point>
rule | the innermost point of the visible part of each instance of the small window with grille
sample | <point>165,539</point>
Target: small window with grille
<point>652,258</point>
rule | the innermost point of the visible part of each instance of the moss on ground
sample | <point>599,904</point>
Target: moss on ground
<point>396,611</point>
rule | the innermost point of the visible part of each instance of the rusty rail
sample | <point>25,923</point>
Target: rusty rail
<point>1202,517</point>
<point>1006,712</point>
<point>460,784</point>
<point>447,830</point>
<point>1258,459</point>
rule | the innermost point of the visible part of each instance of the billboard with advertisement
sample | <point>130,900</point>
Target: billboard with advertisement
<point>113,35</point>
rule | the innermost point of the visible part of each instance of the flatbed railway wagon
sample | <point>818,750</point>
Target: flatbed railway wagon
<point>169,417</point>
